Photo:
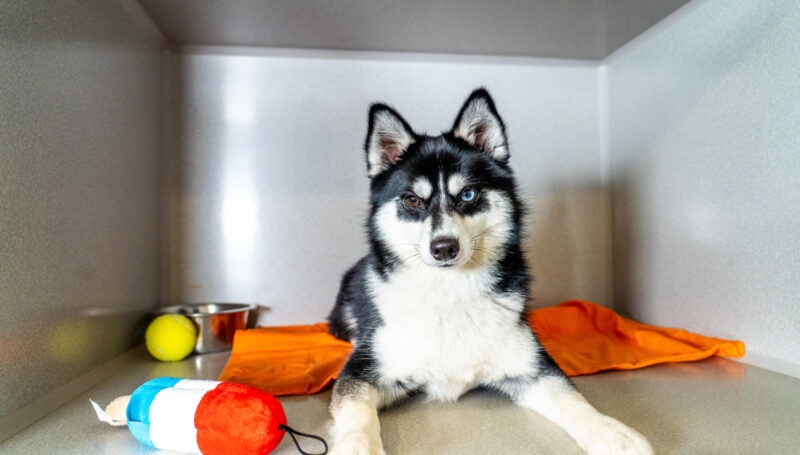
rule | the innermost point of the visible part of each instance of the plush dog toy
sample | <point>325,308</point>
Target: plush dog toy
<point>202,417</point>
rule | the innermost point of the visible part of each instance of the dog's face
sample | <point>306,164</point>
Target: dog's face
<point>446,201</point>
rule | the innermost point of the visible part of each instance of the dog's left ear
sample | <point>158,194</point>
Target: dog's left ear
<point>388,138</point>
<point>480,125</point>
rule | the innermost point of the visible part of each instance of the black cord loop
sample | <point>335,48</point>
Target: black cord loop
<point>293,432</point>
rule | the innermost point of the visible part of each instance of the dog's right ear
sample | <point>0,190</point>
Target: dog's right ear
<point>388,138</point>
<point>480,125</point>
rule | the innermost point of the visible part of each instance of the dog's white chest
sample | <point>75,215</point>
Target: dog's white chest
<point>446,333</point>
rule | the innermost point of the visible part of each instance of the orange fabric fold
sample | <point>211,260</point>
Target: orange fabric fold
<point>585,338</point>
<point>290,360</point>
<point>581,337</point>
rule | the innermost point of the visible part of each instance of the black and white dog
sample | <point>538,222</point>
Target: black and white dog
<point>438,304</point>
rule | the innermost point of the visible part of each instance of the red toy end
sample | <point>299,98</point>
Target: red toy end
<point>234,419</point>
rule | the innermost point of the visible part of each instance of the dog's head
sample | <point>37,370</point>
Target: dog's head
<point>444,201</point>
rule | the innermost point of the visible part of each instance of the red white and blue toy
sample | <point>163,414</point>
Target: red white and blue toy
<point>202,417</point>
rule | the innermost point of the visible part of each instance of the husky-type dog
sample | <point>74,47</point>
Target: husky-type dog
<point>438,304</point>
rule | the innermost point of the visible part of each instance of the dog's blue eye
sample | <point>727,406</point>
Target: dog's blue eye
<point>468,195</point>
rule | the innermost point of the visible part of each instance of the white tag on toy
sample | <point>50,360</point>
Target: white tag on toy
<point>103,416</point>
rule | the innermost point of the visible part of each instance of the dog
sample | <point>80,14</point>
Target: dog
<point>437,306</point>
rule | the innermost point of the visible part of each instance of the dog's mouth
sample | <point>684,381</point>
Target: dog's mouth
<point>448,264</point>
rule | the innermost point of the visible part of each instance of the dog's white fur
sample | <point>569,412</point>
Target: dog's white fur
<point>441,336</point>
<point>455,184</point>
<point>423,188</point>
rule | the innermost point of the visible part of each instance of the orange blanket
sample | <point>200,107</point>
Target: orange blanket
<point>581,337</point>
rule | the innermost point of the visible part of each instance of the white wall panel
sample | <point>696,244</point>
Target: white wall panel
<point>705,153</point>
<point>265,187</point>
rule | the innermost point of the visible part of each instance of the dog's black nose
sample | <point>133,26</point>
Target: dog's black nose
<point>444,249</point>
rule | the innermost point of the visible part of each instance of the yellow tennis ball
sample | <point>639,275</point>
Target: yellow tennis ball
<point>171,337</point>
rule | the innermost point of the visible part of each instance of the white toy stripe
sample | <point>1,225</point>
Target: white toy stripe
<point>196,384</point>
<point>172,415</point>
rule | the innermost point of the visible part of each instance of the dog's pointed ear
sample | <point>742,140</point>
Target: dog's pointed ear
<point>480,125</point>
<point>388,138</point>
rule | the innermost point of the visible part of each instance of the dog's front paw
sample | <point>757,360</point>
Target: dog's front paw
<point>358,444</point>
<point>609,436</point>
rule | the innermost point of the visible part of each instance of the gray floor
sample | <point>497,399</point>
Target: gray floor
<point>715,406</point>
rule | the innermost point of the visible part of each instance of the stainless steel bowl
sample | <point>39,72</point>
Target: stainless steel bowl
<point>216,322</point>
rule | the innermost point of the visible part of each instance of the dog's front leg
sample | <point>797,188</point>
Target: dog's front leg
<point>354,407</point>
<point>555,397</point>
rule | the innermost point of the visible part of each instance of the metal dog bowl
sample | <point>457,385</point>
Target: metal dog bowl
<point>216,322</point>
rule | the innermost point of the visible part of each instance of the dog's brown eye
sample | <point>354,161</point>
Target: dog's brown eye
<point>412,201</point>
